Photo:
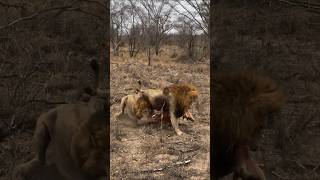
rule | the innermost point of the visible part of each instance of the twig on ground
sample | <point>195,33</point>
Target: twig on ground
<point>114,101</point>
<point>161,119</point>
<point>174,142</point>
<point>186,160</point>
<point>132,139</point>
<point>178,163</point>
<point>185,150</point>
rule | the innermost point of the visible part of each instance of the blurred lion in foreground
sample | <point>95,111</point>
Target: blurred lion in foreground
<point>77,135</point>
<point>241,105</point>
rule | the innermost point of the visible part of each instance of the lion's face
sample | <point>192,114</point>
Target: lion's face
<point>193,97</point>
<point>143,107</point>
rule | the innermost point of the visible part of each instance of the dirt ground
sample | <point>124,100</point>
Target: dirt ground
<point>137,152</point>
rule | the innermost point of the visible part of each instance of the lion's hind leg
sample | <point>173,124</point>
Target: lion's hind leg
<point>123,105</point>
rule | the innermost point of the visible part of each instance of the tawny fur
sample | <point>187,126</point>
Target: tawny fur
<point>184,95</point>
<point>136,107</point>
<point>175,100</point>
<point>77,134</point>
<point>241,102</point>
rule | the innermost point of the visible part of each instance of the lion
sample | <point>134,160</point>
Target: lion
<point>241,103</point>
<point>184,95</point>
<point>137,108</point>
<point>174,101</point>
<point>77,134</point>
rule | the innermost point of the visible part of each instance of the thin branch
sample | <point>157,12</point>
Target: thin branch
<point>301,3</point>
<point>314,6</point>
<point>87,13</point>
<point>192,18</point>
<point>161,121</point>
<point>197,7</point>
<point>96,2</point>
<point>313,170</point>
<point>314,11</point>
<point>8,5</point>
<point>61,11</point>
<point>34,15</point>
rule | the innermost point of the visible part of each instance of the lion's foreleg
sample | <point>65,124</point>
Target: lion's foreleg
<point>187,114</point>
<point>41,141</point>
<point>245,167</point>
<point>173,119</point>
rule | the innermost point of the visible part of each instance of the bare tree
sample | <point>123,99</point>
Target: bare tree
<point>159,12</point>
<point>134,32</point>
<point>146,24</point>
<point>187,33</point>
<point>155,18</point>
<point>118,18</point>
<point>194,10</point>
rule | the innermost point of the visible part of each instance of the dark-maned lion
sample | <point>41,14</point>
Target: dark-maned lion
<point>241,103</point>
<point>77,134</point>
<point>175,101</point>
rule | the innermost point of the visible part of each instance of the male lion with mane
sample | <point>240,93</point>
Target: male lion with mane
<point>241,104</point>
<point>173,101</point>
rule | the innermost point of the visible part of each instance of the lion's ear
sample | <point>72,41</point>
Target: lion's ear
<point>141,94</point>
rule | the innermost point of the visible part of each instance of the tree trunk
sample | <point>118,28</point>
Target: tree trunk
<point>149,56</point>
